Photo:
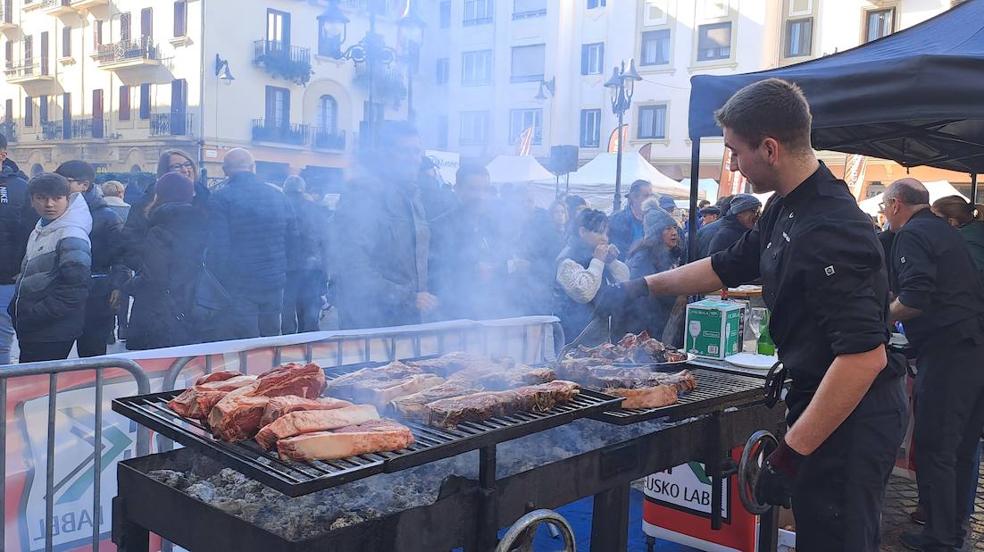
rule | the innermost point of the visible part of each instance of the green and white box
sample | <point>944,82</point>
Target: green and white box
<point>714,328</point>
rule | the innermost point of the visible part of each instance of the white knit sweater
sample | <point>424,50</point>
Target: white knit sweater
<point>582,284</point>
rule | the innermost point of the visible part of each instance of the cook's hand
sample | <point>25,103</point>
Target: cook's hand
<point>114,299</point>
<point>613,253</point>
<point>426,302</point>
<point>775,481</point>
<point>601,253</point>
<point>613,298</point>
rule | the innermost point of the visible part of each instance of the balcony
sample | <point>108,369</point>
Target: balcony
<point>327,139</point>
<point>34,77</point>
<point>57,7</point>
<point>171,124</point>
<point>9,131</point>
<point>133,61</point>
<point>270,131</point>
<point>283,61</point>
<point>89,4</point>
<point>52,130</point>
<point>88,128</point>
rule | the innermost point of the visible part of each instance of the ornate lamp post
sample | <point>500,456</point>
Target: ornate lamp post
<point>371,51</point>
<point>622,87</point>
<point>411,30</point>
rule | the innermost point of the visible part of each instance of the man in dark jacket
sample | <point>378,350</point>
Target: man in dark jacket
<point>625,228</point>
<point>382,237</point>
<point>251,228</point>
<point>107,241</point>
<point>305,264</point>
<point>17,219</point>
<point>744,212</point>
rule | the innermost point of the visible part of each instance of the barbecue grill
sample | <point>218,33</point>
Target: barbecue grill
<point>722,412</point>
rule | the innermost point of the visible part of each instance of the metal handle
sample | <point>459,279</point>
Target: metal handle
<point>759,446</point>
<point>530,521</point>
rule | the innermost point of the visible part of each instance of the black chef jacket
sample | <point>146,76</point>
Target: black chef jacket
<point>932,271</point>
<point>823,278</point>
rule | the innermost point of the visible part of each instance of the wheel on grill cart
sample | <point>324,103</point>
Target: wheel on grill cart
<point>759,446</point>
<point>519,537</point>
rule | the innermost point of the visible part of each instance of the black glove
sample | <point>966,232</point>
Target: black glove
<point>775,481</point>
<point>613,298</point>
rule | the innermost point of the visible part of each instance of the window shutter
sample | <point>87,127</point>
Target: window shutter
<point>584,59</point>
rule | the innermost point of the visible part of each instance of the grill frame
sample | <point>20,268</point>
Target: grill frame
<point>698,402</point>
<point>298,478</point>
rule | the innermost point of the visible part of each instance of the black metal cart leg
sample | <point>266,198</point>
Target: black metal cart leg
<point>610,520</point>
<point>768,532</point>
<point>127,535</point>
<point>488,522</point>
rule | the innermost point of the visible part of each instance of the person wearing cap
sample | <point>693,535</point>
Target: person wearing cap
<point>707,232</point>
<point>742,216</point>
<point>108,272</point>
<point>708,215</point>
<point>626,228</point>
<point>169,263</point>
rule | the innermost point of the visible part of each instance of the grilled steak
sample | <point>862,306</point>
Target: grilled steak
<point>198,400</point>
<point>381,393</point>
<point>238,415</point>
<point>221,375</point>
<point>414,407</point>
<point>482,406</point>
<point>342,386</point>
<point>500,378</point>
<point>645,397</point>
<point>279,406</point>
<point>641,387</point>
<point>632,348</point>
<point>311,421</point>
<point>369,437</point>
<point>451,363</point>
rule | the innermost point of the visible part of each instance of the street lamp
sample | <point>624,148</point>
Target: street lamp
<point>411,32</point>
<point>371,50</point>
<point>622,87</point>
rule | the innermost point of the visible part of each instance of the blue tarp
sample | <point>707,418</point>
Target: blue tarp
<point>915,96</point>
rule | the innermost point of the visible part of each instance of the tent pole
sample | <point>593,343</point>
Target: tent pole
<point>694,180</point>
<point>973,188</point>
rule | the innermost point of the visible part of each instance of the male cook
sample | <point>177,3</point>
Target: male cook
<point>824,280</point>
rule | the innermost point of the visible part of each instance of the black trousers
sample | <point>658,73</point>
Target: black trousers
<point>99,321</point>
<point>38,351</point>
<point>949,419</point>
<point>838,494</point>
<point>302,301</point>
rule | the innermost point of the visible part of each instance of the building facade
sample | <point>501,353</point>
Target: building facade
<point>496,67</point>
<point>116,82</point>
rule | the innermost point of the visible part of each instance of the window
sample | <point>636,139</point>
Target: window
<point>328,114</point>
<point>590,128</point>
<point>476,68</point>
<point>878,23</point>
<point>714,41</point>
<point>592,4</point>
<point>654,12</point>
<point>474,128</point>
<point>445,14</point>
<point>529,8</point>
<point>278,28</point>
<point>442,132</point>
<point>8,54</point>
<point>97,113</point>
<point>277,107</point>
<point>8,111</point>
<point>66,42</point>
<point>800,7</point>
<point>125,28</point>
<point>443,71</point>
<point>528,62</point>
<point>124,103</point>
<point>477,12</point>
<point>180,18</point>
<point>28,111</point>
<point>593,58</point>
<point>799,37</point>
<point>652,122</point>
<point>44,53</point>
<point>145,101</point>
<point>97,33</point>
<point>43,109</point>
<point>522,119</point>
<point>655,48</point>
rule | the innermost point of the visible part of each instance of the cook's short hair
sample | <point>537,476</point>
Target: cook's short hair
<point>769,108</point>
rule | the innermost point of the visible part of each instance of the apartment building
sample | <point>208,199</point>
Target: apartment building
<point>115,82</point>
<point>496,67</point>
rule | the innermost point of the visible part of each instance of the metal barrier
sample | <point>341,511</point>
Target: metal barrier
<point>52,369</point>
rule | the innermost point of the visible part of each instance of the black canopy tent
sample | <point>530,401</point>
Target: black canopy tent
<point>915,97</point>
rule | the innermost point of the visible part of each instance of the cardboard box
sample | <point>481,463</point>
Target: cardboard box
<point>714,328</point>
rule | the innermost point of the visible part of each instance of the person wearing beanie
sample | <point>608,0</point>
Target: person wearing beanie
<point>108,271</point>
<point>742,216</point>
<point>168,265</point>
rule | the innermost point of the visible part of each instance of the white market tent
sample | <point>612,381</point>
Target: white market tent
<point>937,190</point>
<point>708,186</point>
<point>595,181</point>
<point>517,169</point>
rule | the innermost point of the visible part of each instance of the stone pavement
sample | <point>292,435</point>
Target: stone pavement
<point>900,499</point>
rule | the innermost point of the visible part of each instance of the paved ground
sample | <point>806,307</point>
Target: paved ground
<point>901,499</point>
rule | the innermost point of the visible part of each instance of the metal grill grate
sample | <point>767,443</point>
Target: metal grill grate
<point>715,391</point>
<point>300,478</point>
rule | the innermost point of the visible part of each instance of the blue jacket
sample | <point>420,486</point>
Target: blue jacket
<point>17,220</point>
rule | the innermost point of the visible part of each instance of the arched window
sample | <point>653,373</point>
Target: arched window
<point>328,114</point>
